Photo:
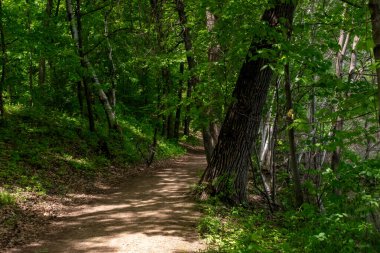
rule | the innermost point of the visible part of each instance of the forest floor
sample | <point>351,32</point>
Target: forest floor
<point>151,211</point>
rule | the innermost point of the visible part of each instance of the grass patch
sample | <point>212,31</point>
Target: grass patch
<point>6,198</point>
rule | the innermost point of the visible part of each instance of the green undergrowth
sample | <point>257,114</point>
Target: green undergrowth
<point>238,229</point>
<point>6,198</point>
<point>47,151</point>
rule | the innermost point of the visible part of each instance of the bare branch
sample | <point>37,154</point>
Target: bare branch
<point>95,10</point>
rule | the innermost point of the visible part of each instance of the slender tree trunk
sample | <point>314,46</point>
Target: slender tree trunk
<point>164,82</point>
<point>42,63</point>
<point>227,173</point>
<point>30,68</point>
<point>3,60</point>
<point>30,76</point>
<point>76,29</point>
<point>169,131</point>
<point>292,143</point>
<point>42,71</point>
<point>339,123</point>
<point>57,8</point>
<point>177,121</point>
<point>374,7</point>
<point>351,71</point>
<point>112,65</point>
<point>165,92</point>
<point>80,96</point>
<point>266,151</point>
<point>180,6</point>
<point>211,131</point>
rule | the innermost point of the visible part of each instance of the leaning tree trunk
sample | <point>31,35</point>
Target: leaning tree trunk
<point>374,7</point>
<point>227,173</point>
<point>85,63</point>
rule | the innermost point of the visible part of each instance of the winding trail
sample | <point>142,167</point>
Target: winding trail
<point>149,213</point>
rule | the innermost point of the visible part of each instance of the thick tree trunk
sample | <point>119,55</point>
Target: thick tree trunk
<point>227,173</point>
<point>374,7</point>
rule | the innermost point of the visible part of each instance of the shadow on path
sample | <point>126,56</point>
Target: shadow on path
<point>151,212</point>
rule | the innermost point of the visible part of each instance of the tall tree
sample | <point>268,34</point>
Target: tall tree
<point>42,63</point>
<point>210,131</point>
<point>374,7</point>
<point>76,30</point>
<point>180,6</point>
<point>227,172</point>
<point>291,136</point>
<point>3,60</point>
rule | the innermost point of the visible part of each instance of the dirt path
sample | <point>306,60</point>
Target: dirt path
<point>148,213</point>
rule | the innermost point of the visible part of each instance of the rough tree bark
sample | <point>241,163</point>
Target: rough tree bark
<point>227,173</point>
<point>374,7</point>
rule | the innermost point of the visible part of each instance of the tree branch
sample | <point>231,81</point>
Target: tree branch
<point>95,10</point>
<point>103,39</point>
<point>352,4</point>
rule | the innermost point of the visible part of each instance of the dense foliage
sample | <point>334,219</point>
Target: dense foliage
<point>89,84</point>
